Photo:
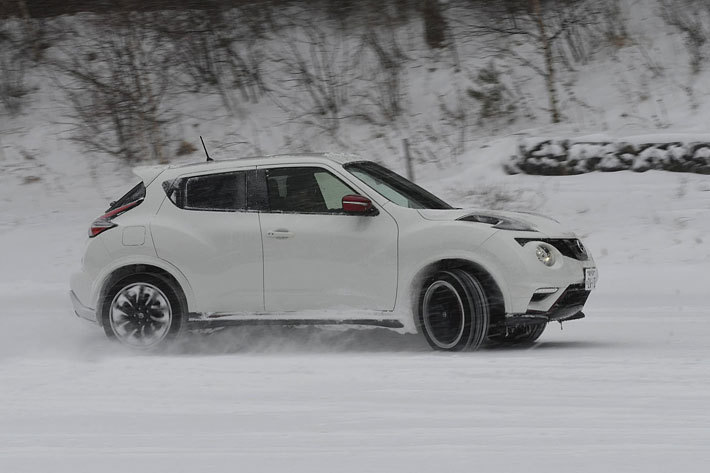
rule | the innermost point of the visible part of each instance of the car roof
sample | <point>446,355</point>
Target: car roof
<point>291,158</point>
<point>149,173</point>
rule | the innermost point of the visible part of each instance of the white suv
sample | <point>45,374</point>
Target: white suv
<point>321,239</point>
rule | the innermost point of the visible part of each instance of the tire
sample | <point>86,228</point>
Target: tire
<point>519,335</point>
<point>453,311</point>
<point>144,311</point>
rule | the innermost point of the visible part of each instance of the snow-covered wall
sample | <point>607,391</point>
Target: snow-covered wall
<point>567,157</point>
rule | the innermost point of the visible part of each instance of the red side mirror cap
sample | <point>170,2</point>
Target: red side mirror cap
<point>356,204</point>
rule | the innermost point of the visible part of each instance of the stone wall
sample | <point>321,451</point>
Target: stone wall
<point>566,157</point>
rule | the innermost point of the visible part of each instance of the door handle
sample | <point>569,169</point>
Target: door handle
<point>279,234</point>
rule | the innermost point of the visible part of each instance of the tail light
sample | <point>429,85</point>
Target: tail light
<point>105,221</point>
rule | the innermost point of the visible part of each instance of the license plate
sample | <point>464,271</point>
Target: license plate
<point>590,278</point>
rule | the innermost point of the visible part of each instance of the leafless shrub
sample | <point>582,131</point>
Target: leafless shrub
<point>692,19</point>
<point>13,68</point>
<point>500,197</point>
<point>612,23</point>
<point>352,15</point>
<point>35,37</point>
<point>382,62</point>
<point>496,100</point>
<point>319,68</point>
<point>482,99</point>
<point>185,148</point>
<point>13,87</point>
<point>217,48</point>
<point>538,34</point>
<point>117,75</point>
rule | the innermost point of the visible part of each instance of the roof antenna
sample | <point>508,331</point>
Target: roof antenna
<point>205,148</point>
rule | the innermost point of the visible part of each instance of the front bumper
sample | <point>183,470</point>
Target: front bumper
<point>525,276</point>
<point>81,310</point>
<point>567,307</point>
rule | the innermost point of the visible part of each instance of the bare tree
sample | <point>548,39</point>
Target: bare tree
<point>382,64</point>
<point>692,19</point>
<point>115,79</point>
<point>320,69</point>
<point>435,26</point>
<point>533,33</point>
<point>13,67</point>
<point>217,48</point>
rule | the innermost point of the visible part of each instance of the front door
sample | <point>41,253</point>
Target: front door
<point>315,255</point>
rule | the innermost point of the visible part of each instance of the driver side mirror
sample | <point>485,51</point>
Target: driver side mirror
<point>357,204</point>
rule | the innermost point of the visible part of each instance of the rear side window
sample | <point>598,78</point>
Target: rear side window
<point>224,192</point>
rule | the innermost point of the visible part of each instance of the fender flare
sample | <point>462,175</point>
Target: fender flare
<point>131,264</point>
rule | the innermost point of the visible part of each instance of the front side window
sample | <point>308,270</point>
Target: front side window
<point>215,192</point>
<point>305,190</point>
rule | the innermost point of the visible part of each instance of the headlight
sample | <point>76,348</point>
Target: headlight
<point>545,256</point>
<point>516,225</point>
<point>501,223</point>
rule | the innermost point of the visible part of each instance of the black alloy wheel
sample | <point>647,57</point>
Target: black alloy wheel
<point>453,311</point>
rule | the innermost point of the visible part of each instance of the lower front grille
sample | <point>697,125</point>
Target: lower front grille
<point>569,304</point>
<point>574,295</point>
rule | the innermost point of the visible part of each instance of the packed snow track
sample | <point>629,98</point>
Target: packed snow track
<point>625,389</point>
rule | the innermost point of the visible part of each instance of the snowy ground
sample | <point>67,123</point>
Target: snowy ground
<point>626,389</point>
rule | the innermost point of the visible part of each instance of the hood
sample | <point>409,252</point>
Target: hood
<point>549,227</point>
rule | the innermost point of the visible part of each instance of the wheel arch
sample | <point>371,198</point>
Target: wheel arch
<point>489,282</point>
<point>130,269</point>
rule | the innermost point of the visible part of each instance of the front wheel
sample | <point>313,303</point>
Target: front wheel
<point>143,311</point>
<point>453,311</point>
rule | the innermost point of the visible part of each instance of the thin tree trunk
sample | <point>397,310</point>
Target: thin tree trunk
<point>549,63</point>
<point>435,27</point>
<point>31,28</point>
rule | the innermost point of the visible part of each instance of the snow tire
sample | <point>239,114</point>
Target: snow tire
<point>453,311</point>
<point>144,311</point>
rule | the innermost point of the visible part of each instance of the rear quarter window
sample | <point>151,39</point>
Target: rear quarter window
<point>136,193</point>
<point>225,192</point>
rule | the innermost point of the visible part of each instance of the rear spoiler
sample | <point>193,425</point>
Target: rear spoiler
<point>148,173</point>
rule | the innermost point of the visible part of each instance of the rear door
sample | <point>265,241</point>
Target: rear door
<point>315,255</point>
<point>206,231</point>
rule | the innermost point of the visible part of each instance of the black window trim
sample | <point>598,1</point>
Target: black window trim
<point>257,193</point>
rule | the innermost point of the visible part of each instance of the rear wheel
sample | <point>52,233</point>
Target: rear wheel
<point>143,311</point>
<point>453,311</point>
<point>519,335</point>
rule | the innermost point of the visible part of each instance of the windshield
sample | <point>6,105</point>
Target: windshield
<point>394,187</point>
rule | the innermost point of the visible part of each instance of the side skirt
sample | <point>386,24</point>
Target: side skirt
<point>198,321</point>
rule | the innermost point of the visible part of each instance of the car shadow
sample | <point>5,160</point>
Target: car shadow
<point>551,345</point>
<point>279,340</point>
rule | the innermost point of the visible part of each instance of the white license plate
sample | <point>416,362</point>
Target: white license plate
<point>590,278</point>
